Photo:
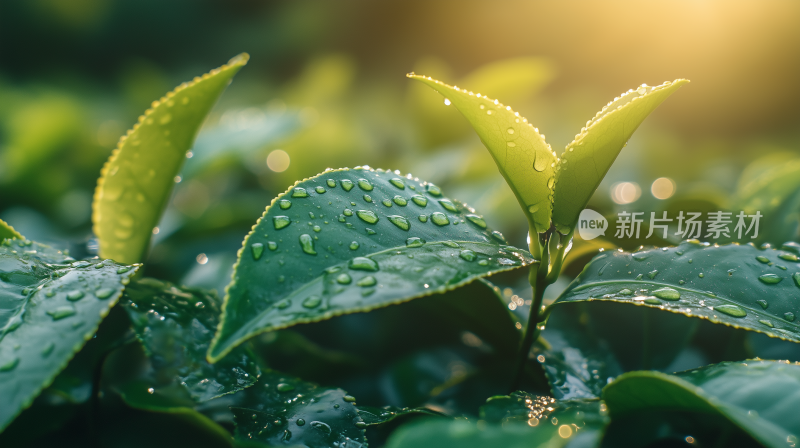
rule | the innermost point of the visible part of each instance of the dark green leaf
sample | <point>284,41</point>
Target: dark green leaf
<point>761,397</point>
<point>524,159</point>
<point>350,241</point>
<point>176,326</point>
<point>281,410</point>
<point>739,286</point>
<point>8,232</point>
<point>136,182</point>
<point>50,305</point>
<point>378,416</point>
<point>519,420</point>
<point>587,159</point>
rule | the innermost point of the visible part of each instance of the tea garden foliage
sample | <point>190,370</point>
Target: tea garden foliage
<point>359,267</point>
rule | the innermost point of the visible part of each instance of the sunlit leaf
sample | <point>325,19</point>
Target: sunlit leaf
<point>736,285</point>
<point>8,232</point>
<point>587,159</point>
<point>50,305</point>
<point>176,326</point>
<point>761,397</point>
<point>349,241</point>
<point>525,160</point>
<point>136,182</point>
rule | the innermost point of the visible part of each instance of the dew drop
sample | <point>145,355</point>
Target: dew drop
<point>449,243</point>
<point>307,244</point>
<point>331,183</point>
<point>652,274</point>
<point>468,255</point>
<point>368,198</point>
<point>762,259</point>
<point>365,185</point>
<point>448,205</point>
<point>625,292</point>
<point>539,162</point>
<point>511,144</point>
<point>399,200</point>
<point>770,279</point>
<point>312,302</point>
<point>123,269</point>
<point>397,182</point>
<point>386,202</point>
<point>300,422</point>
<point>796,278</point>
<point>370,231</point>
<point>354,245</point>
<point>349,398</point>
<point>317,229</point>
<point>299,193</point>
<point>363,264</point>
<point>510,130</point>
<point>283,304</point>
<point>319,189</point>
<point>400,222</point>
<point>284,387</point>
<point>273,246</point>
<point>477,220</point>
<point>440,219</point>
<point>74,296</point>
<point>367,281</point>
<point>652,301</point>
<point>9,365</point>
<point>367,216</point>
<point>343,279</point>
<point>423,218</point>
<point>788,257</point>
<point>280,222</point>
<point>415,242</point>
<point>347,184</point>
<point>104,293</point>
<point>61,312</point>
<point>483,262</point>
<point>766,322</point>
<point>667,294</point>
<point>763,303</point>
<point>731,310</point>
<point>420,200</point>
<point>257,250</point>
<point>499,236</point>
<point>434,190</point>
<point>348,212</point>
<point>789,317</point>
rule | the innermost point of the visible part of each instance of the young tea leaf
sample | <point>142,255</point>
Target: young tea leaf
<point>739,286</point>
<point>758,396</point>
<point>8,232</point>
<point>50,305</point>
<point>349,241</point>
<point>525,160</point>
<point>136,182</point>
<point>587,159</point>
<point>176,326</point>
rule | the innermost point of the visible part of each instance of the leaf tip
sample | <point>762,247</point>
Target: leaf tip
<point>240,59</point>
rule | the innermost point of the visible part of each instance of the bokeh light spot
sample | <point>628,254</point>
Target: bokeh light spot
<point>663,188</point>
<point>625,192</point>
<point>278,160</point>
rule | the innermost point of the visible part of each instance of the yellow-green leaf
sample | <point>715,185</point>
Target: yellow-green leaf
<point>8,232</point>
<point>525,160</point>
<point>587,159</point>
<point>136,182</point>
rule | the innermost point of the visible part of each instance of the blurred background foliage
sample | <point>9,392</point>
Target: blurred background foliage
<point>326,88</point>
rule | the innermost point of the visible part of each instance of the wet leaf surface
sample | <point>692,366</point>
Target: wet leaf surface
<point>740,286</point>
<point>760,397</point>
<point>50,305</point>
<point>350,241</point>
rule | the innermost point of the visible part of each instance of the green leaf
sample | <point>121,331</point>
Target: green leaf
<point>372,416</point>
<point>587,159</point>
<point>281,410</point>
<point>775,194</point>
<point>50,305</point>
<point>176,326</point>
<point>8,232</point>
<point>136,182</point>
<point>739,286</point>
<point>525,160</point>
<point>758,396</point>
<point>515,421</point>
<point>350,241</point>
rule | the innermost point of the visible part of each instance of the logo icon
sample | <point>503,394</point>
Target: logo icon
<point>591,224</point>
